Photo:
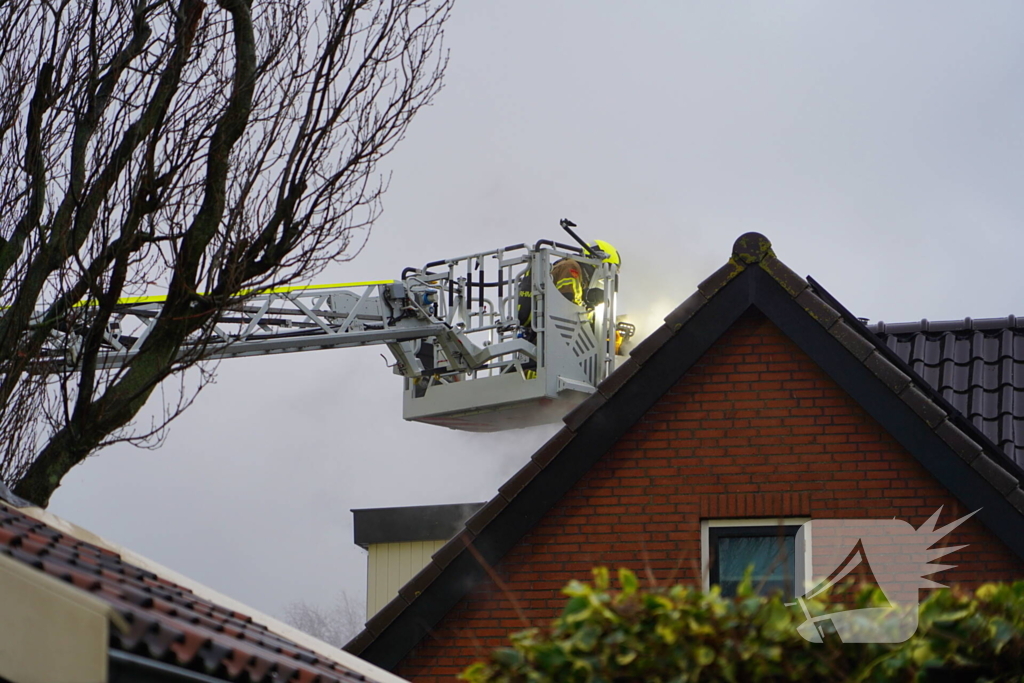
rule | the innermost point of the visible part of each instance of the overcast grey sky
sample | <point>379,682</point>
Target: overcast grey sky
<point>879,145</point>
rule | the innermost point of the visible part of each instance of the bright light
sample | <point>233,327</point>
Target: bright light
<point>599,312</point>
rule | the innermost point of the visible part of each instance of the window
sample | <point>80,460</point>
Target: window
<point>774,548</point>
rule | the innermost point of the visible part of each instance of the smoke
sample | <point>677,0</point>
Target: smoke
<point>648,319</point>
<point>659,278</point>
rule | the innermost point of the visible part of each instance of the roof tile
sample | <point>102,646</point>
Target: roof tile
<point>751,247</point>
<point>995,474</point>
<point>450,550</point>
<point>685,310</point>
<point>720,278</point>
<point>578,415</point>
<point>10,538</point>
<point>511,488</point>
<point>860,347</point>
<point>924,406</point>
<point>784,275</point>
<point>552,447</point>
<point>884,370</point>
<point>1016,498</point>
<point>379,621</point>
<point>359,643</point>
<point>977,366</point>
<point>166,621</point>
<point>614,381</point>
<point>963,445</point>
<point>819,310</point>
<point>486,513</point>
<point>654,341</point>
<point>421,580</point>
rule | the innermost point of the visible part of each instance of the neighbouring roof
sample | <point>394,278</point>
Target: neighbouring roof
<point>977,365</point>
<point>958,454</point>
<point>414,523</point>
<point>173,631</point>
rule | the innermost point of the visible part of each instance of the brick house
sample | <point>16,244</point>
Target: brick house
<point>760,399</point>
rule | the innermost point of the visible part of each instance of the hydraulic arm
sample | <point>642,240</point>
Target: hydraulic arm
<point>453,327</point>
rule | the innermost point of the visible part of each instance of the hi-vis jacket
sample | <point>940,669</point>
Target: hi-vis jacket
<point>568,277</point>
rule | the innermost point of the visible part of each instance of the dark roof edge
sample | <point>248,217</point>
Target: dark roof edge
<point>659,360</point>
<point>409,524</point>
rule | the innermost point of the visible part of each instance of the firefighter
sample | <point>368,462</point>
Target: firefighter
<point>568,276</point>
<point>571,278</point>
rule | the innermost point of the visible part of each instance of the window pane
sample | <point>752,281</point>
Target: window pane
<point>771,556</point>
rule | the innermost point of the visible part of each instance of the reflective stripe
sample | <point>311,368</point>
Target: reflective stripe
<point>134,300</point>
<point>575,286</point>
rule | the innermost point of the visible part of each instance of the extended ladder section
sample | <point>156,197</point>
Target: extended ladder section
<point>456,329</point>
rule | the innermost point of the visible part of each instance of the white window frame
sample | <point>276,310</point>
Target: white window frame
<point>803,567</point>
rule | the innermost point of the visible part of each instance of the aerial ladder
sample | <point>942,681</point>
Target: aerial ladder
<point>452,327</point>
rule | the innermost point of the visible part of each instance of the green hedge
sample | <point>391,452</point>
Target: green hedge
<point>680,634</point>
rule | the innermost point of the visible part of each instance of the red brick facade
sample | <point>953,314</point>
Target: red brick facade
<point>755,429</point>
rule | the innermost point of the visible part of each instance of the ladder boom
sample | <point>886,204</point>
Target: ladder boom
<point>455,329</point>
<point>282,321</point>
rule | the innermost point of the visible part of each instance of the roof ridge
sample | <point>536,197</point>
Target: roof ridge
<point>1011,322</point>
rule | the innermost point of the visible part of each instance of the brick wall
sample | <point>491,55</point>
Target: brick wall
<point>755,429</point>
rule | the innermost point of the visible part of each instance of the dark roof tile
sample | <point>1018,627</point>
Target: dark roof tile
<point>924,406</point>
<point>578,415</point>
<point>421,580</point>
<point>614,381</point>
<point>784,275</point>
<point>552,447</point>
<point>486,513</point>
<point>720,278</point>
<point>884,370</point>
<point>963,445</point>
<point>359,643</point>
<point>977,366</point>
<point>1016,498</point>
<point>654,341</point>
<point>751,247</point>
<point>860,347</point>
<point>1003,481</point>
<point>450,550</point>
<point>819,310</point>
<point>685,310</point>
<point>511,488</point>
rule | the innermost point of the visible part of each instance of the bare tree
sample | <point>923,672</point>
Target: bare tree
<point>200,150</point>
<point>335,624</point>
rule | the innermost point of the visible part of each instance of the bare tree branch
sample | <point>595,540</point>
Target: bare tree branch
<point>170,146</point>
<point>335,624</point>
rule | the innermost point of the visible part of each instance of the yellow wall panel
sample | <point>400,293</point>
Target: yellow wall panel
<point>389,566</point>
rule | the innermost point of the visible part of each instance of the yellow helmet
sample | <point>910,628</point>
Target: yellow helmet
<point>612,254</point>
